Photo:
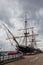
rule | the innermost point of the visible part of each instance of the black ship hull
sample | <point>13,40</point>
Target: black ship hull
<point>29,50</point>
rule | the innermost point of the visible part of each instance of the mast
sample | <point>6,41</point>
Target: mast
<point>33,39</point>
<point>25,30</point>
<point>25,36</point>
<point>11,35</point>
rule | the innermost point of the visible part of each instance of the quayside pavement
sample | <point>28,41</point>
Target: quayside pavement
<point>29,60</point>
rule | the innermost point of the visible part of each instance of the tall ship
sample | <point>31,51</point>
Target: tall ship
<point>28,38</point>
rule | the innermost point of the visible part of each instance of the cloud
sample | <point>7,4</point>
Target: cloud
<point>9,9</point>
<point>39,15</point>
<point>12,13</point>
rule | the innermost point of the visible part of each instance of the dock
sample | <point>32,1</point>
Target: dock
<point>29,60</point>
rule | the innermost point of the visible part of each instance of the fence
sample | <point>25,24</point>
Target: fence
<point>8,58</point>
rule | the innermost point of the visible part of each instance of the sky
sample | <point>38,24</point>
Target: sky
<point>12,13</point>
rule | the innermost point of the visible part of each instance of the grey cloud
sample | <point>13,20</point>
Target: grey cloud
<point>15,9</point>
<point>29,6</point>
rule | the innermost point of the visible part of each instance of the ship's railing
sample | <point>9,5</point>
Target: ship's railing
<point>8,58</point>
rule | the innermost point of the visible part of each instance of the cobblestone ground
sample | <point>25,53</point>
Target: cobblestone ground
<point>29,60</point>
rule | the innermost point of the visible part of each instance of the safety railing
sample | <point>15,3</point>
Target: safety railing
<point>8,58</point>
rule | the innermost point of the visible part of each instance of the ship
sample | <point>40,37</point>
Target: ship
<point>25,49</point>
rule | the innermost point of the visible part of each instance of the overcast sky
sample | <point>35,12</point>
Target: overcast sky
<point>12,13</point>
